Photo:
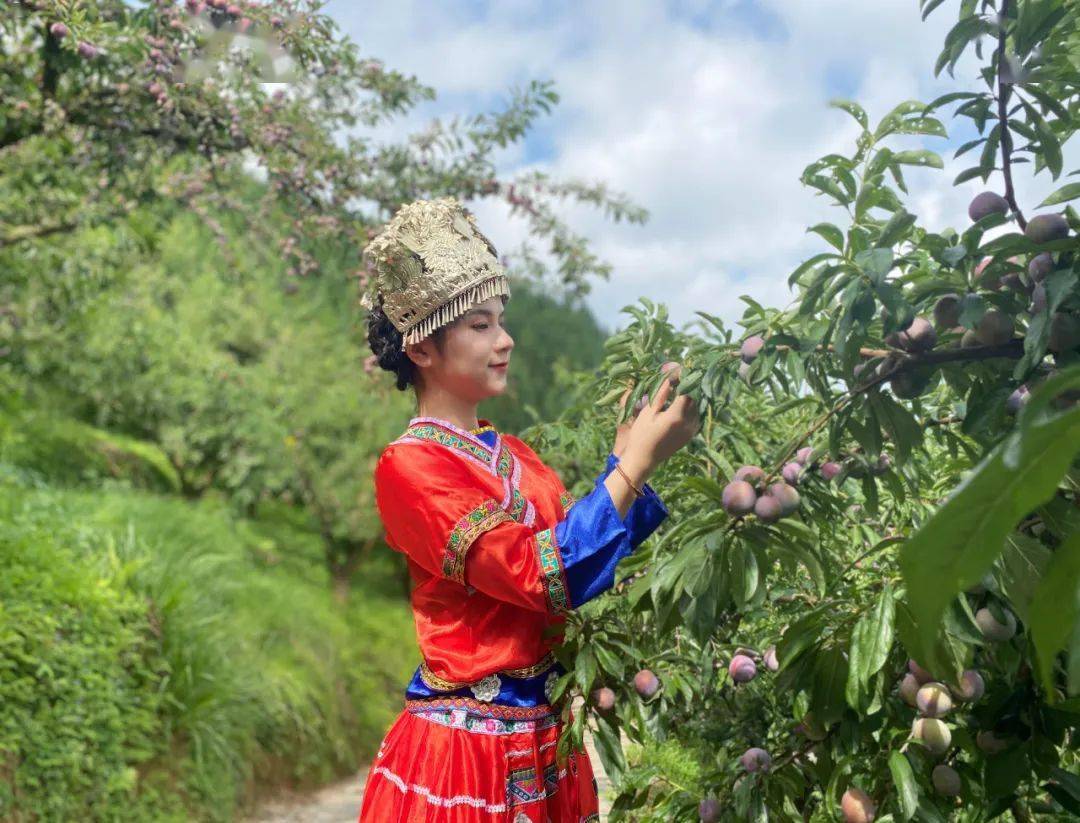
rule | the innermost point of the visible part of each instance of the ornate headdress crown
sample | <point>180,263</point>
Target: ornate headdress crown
<point>431,265</point>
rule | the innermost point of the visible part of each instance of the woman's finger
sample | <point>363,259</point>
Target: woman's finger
<point>662,395</point>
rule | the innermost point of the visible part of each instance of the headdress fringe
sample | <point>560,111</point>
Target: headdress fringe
<point>456,307</point>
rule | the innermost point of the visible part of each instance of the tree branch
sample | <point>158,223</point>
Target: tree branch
<point>1004,90</point>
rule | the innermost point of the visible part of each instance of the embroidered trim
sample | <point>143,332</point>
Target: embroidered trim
<point>525,786</point>
<point>554,573</point>
<point>474,724</point>
<point>436,800</point>
<point>566,500</point>
<point>484,517</point>
<point>433,681</point>
<point>527,752</point>
<point>481,709</point>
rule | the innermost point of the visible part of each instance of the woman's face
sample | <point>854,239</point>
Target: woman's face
<point>473,359</point>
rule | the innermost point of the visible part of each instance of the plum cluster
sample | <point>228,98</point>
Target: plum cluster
<point>997,326</point>
<point>748,493</point>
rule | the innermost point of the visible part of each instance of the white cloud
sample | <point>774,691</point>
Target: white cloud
<point>708,128</point>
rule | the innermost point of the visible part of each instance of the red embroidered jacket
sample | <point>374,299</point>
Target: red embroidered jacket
<point>497,549</point>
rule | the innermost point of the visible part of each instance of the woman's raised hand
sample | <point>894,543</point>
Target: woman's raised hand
<point>658,432</point>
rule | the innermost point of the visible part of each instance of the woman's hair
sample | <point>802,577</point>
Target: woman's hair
<point>385,343</point>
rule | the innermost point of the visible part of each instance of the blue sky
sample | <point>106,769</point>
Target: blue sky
<point>703,111</point>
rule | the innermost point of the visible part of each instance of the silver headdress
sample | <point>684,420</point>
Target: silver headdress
<point>432,264</point>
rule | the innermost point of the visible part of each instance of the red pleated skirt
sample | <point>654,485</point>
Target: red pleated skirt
<point>457,760</point>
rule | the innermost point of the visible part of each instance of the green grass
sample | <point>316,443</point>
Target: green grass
<point>163,659</point>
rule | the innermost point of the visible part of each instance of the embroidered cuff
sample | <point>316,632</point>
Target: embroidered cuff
<point>645,513</point>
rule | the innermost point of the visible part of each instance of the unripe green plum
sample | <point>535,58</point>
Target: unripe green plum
<point>604,699</point>
<point>751,474</point>
<point>990,743</point>
<point>742,669</point>
<point>646,683</point>
<point>986,203</point>
<point>932,733</point>
<point>767,509</point>
<point>751,347</point>
<point>756,760</point>
<point>909,688</point>
<point>709,810</point>
<point>1064,333</point>
<point>1046,228</point>
<point>857,806</point>
<point>971,687</point>
<point>786,496</point>
<point>739,497</point>
<point>770,660</point>
<point>993,630</point>
<point>994,328</point>
<point>1040,266</point>
<point>934,700</point>
<point>947,311</point>
<point>946,781</point>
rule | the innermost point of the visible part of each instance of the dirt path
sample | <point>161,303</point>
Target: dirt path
<point>340,802</point>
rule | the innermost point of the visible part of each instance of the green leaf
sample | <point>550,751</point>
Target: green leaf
<point>876,263</point>
<point>829,682</point>
<point>854,109</point>
<point>953,549</point>
<point>968,174</point>
<point>1070,191</point>
<point>919,157</point>
<point>609,748</point>
<point>872,639</point>
<point>832,235</point>
<point>906,787</point>
<point>1055,609</point>
<point>1048,141</point>
<point>896,228</point>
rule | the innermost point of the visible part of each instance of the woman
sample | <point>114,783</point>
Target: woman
<point>497,549</point>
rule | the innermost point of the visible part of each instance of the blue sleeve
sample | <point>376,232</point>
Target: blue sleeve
<point>593,539</point>
<point>645,514</point>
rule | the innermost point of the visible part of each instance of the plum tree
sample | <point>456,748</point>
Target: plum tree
<point>830,470</point>
<point>986,203</point>
<point>742,669</point>
<point>1040,266</point>
<point>1064,333</point>
<point>1016,400</point>
<point>857,806</point>
<point>917,337</point>
<point>791,473</point>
